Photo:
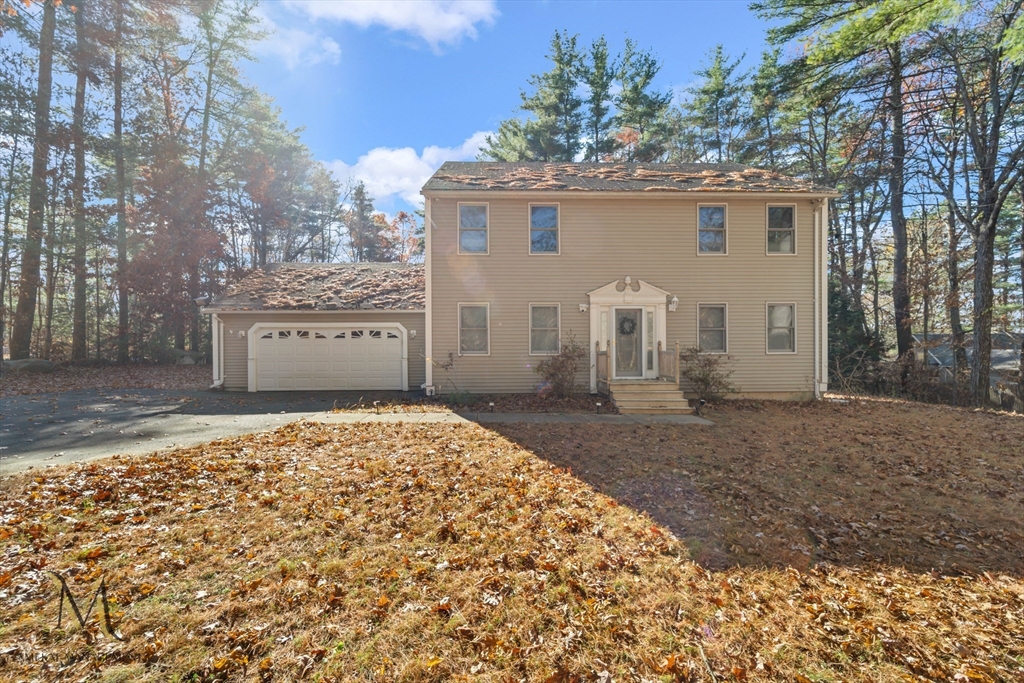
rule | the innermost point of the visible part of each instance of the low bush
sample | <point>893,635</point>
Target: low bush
<point>706,374</point>
<point>561,370</point>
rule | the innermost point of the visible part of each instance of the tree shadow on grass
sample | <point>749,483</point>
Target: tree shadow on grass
<point>788,485</point>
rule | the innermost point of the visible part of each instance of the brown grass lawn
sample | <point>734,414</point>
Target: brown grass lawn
<point>875,541</point>
<point>73,377</point>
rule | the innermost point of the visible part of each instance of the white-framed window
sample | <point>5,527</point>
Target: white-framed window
<point>545,320</point>
<point>781,234</point>
<point>711,229</point>
<point>544,238</point>
<point>712,324</point>
<point>474,329</point>
<point>780,331</point>
<point>473,233</point>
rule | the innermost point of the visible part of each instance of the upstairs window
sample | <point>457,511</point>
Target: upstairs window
<point>711,328</point>
<point>711,230</point>
<point>781,230</point>
<point>543,228</point>
<point>474,333</point>
<point>781,328</point>
<point>543,329</point>
<point>472,228</point>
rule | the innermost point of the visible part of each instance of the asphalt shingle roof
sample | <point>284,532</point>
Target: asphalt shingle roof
<point>614,177</point>
<point>327,287</point>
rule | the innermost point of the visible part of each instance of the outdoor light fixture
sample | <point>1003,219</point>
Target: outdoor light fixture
<point>491,404</point>
<point>599,407</point>
<point>412,333</point>
<point>376,404</point>
<point>584,307</point>
<point>673,304</point>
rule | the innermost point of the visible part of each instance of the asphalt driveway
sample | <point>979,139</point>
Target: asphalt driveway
<point>52,429</point>
<point>38,430</point>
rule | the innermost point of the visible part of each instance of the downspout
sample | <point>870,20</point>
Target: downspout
<point>428,227</point>
<point>217,334</point>
<point>823,260</point>
<point>817,294</point>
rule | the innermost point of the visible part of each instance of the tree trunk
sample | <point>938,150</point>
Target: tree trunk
<point>78,320</point>
<point>99,309</point>
<point>119,172</point>
<point>1020,358</point>
<point>927,294</point>
<point>21,332</point>
<point>897,178</point>
<point>875,304</point>
<point>981,349</point>
<point>194,285</point>
<point>5,256</point>
<point>953,302</point>
<point>51,271</point>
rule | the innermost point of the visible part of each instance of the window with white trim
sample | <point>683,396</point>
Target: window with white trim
<point>543,228</point>
<point>711,230</point>
<point>711,332</point>
<point>474,335</point>
<point>781,332</point>
<point>781,229</point>
<point>472,228</point>
<point>544,329</point>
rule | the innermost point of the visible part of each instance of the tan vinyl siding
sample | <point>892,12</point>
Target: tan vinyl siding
<point>603,240</point>
<point>236,349</point>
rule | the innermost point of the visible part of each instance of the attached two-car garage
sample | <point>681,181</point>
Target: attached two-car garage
<point>328,357</point>
<point>321,327</point>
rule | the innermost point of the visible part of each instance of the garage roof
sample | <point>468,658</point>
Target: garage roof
<point>326,287</point>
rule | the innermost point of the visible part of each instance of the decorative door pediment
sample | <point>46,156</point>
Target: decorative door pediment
<point>626,291</point>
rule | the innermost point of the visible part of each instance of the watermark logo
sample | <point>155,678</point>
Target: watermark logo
<point>100,594</point>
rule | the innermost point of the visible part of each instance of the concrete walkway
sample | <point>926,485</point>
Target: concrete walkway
<point>504,418</point>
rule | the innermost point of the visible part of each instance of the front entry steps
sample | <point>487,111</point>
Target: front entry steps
<point>649,397</point>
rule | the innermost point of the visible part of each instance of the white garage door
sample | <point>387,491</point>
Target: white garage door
<point>324,358</point>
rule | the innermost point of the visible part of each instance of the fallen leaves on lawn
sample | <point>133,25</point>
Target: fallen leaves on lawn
<point>386,402</point>
<point>314,552</point>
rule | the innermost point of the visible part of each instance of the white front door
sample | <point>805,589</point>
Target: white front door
<point>343,357</point>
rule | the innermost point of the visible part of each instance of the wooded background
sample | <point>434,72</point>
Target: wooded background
<point>140,170</point>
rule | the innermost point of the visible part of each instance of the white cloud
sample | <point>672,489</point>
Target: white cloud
<point>296,46</point>
<point>390,173</point>
<point>438,22</point>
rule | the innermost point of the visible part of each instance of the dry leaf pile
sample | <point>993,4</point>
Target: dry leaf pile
<point>646,177</point>
<point>395,286</point>
<point>450,552</point>
<point>385,402</point>
<point>75,377</point>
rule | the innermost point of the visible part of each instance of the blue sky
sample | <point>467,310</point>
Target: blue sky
<point>388,90</point>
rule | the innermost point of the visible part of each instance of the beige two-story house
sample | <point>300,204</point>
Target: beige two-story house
<point>632,260</point>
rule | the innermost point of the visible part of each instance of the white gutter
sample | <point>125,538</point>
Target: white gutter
<point>308,311</point>
<point>605,194</point>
